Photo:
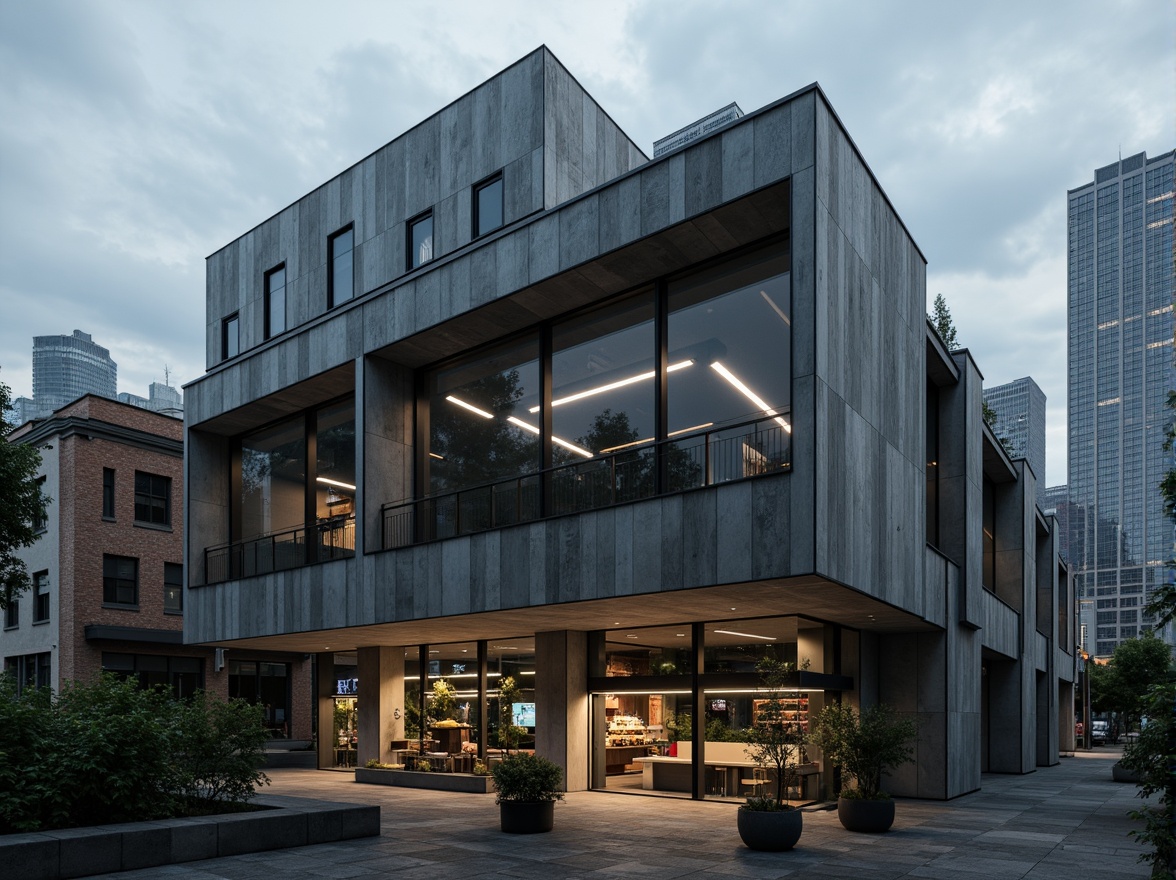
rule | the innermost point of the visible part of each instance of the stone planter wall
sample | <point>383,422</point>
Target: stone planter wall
<point>465,782</point>
<point>80,852</point>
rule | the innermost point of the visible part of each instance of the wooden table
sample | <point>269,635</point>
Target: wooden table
<point>663,773</point>
<point>618,758</point>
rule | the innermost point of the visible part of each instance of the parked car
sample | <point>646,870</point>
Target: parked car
<point>1098,732</point>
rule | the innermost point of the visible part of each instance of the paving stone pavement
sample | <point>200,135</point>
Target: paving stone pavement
<point>1060,823</point>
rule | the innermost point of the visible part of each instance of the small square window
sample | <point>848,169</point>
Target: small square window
<point>230,337</point>
<point>487,211</point>
<point>275,301</point>
<point>108,493</point>
<point>152,499</point>
<point>120,580</point>
<point>341,271</point>
<point>173,588</point>
<point>420,241</point>
<point>40,597</point>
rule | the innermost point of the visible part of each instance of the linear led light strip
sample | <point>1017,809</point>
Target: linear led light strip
<point>641,377</point>
<point>749,394</point>
<point>559,441</point>
<point>335,483</point>
<point>728,632</point>
<point>650,439</point>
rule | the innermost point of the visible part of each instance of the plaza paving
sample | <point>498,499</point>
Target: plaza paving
<point>1067,822</point>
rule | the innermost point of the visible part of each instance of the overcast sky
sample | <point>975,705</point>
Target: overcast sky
<point>138,137</point>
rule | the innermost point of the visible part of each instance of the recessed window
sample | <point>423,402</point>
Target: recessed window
<point>152,499</point>
<point>487,211</point>
<point>341,276</point>
<point>420,240</point>
<point>39,521</point>
<point>40,597</point>
<point>173,588</point>
<point>230,337</point>
<point>120,580</point>
<point>12,612</point>
<point>275,301</point>
<point>108,493</point>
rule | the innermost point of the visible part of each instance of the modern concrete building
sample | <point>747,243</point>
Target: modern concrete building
<point>1120,373</point>
<point>108,573</point>
<point>66,367</point>
<point>515,427</point>
<point>1020,419</point>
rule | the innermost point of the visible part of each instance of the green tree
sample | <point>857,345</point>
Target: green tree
<point>1121,686</point>
<point>864,745</point>
<point>1153,757</point>
<point>21,504</point>
<point>940,319</point>
<point>776,737</point>
<point>1162,602</point>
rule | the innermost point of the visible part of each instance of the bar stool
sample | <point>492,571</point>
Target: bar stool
<point>720,781</point>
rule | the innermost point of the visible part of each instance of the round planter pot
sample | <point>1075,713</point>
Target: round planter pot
<point>526,817</point>
<point>1119,773</point>
<point>770,832</point>
<point>872,817</point>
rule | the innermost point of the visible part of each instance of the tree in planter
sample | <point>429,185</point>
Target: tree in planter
<point>443,703</point>
<point>776,738</point>
<point>527,788</point>
<point>509,733</point>
<point>863,745</point>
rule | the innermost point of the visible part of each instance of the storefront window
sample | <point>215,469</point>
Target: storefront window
<point>452,701</point>
<point>266,684</point>
<point>511,693</point>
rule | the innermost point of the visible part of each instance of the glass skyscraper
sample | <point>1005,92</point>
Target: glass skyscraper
<point>66,367</point>
<point>1020,419</point>
<point>1120,371</point>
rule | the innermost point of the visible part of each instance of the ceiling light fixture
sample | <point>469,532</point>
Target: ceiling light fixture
<point>650,439</point>
<point>779,311</point>
<point>558,441</point>
<point>621,383</point>
<point>749,394</point>
<point>728,632</point>
<point>335,483</point>
<point>436,456</point>
<point>470,407</point>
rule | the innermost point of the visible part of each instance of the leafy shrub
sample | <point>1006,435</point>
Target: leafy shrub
<point>526,777</point>
<point>765,805</point>
<point>864,745</point>
<point>107,751</point>
<point>1152,757</point>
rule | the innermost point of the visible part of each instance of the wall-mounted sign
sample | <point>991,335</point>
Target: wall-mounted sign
<point>347,686</point>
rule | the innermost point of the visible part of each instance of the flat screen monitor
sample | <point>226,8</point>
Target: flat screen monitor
<point>524,714</point>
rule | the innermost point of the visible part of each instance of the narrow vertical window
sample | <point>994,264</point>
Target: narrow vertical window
<point>420,240</point>
<point>230,337</point>
<point>173,588</point>
<point>41,597</point>
<point>39,521</point>
<point>275,301</point>
<point>341,271</point>
<point>487,212</point>
<point>108,493</point>
<point>12,612</point>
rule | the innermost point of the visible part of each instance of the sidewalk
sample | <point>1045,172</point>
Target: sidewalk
<point>1060,823</point>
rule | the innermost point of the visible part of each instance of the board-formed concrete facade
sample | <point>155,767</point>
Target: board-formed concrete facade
<point>981,656</point>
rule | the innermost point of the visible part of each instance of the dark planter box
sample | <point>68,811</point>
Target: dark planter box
<point>770,831</point>
<point>465,782</point>
<point>870,817</point>
<point>80,852</point>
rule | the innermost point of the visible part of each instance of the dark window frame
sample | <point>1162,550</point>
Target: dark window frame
<point>475,208</point>
<point>108,482</point>
<point>332,294</point>
<point>41,518</point>
<point>270,290</point>
<point>173,590</point>
<point>150,505</point>
<point>234,321</point>
<point>410,261</point>
<point>41,596</point>
<point>112,584</point>
<point>12,612</point>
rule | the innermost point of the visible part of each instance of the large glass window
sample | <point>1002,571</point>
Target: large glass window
<point>483,426</point>
<point>335,479</point>
<point>183,676</point>
<point>341,283</point>
<point>273,478</point>
<point>264,683</point>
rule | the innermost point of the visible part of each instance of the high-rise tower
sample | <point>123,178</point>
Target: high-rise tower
<point>66,367</point>
<point>1020,419</point>
<point>1120,283</point>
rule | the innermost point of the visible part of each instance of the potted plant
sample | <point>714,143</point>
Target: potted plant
<point>528,787</point>
<point>863,745</point>
<point>774,743</point>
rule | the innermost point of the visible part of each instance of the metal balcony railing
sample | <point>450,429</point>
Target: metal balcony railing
<point>326,539</point>
<point>703,459</point>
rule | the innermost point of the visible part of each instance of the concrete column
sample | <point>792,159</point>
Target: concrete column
<point>561,703</point>
<point>325,699</point>
<point>381,702</point>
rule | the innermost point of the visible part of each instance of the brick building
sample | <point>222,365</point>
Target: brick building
<point>107,574</point>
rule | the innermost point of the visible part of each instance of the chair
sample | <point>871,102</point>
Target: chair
<point>759,779</point>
